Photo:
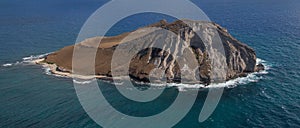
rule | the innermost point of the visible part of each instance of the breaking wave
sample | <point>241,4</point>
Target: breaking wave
<point>34,57</point>
<point>82,82</point>
<point>250,78</point>
<point>7,65</point>
<point>26,60</point>
<point>11,64</point>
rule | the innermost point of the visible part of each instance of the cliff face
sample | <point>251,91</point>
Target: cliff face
<point>238,58</point>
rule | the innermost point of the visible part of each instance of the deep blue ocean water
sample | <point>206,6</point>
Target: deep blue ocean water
<point>31,98</point>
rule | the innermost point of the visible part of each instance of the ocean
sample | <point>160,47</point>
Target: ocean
<point>31,97</point>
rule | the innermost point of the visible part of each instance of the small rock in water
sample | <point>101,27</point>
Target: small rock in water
<point>260,67</point>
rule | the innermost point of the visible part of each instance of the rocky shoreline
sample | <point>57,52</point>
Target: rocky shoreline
<point>54,69</point>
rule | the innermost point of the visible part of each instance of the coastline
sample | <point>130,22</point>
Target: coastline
<point>251,77</point>
<point>53,70</point>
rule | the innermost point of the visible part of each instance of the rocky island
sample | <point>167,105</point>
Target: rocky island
<point>240,58</point>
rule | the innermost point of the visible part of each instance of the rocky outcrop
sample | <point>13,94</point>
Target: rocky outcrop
<point>194,37</point>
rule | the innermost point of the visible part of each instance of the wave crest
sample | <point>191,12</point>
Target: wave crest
<point>82,82</point>
<point>26,60</point>
<point>7,65</point>
<point>34,57</point>
<point>250,78</point>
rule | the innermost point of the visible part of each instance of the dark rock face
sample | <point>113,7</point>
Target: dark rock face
<point>259,67</point>
<point>239,59</point>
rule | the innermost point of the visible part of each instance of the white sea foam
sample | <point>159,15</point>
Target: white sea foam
<point>260,61</point>
<point>34,57</point>
<point>26,60</point>
<point>83,81</point>
<point>7,65</point>
<point>47,70</point>
<point>250,78</point>
<point>11,64</point>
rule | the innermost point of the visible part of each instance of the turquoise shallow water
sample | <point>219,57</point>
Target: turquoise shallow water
<point>31,98</point>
